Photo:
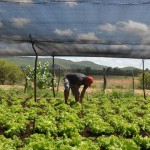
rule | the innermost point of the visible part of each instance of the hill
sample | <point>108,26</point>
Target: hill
<point>59,63</point>
<point>129,68</point>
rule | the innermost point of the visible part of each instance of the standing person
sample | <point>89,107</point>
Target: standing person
<point>73,81</point>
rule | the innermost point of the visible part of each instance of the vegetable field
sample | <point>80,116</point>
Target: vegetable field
<point>112,121</point>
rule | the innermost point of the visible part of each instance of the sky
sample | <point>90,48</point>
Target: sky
<point>96,28</point>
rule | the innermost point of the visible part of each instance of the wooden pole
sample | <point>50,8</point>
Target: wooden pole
<point>104,79</point>
<point>133,80</point>
<point>35,79</point>
<point>53,74</point>
<point>58,81</point>
<point>143,80</point>
<point>35,69</point>
<point>26,81</point>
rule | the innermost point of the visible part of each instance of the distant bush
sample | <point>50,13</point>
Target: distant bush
<point>146,80</point>
<point>9,72</point>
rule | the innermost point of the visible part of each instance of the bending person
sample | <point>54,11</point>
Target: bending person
<point>73,81</point>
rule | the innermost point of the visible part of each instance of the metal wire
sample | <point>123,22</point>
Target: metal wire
<point>77,1</point>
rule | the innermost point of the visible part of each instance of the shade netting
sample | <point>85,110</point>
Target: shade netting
<point>95,28</point>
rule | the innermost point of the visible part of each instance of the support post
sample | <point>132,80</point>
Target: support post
<point>35,79</point>
<point>133,81</point>
<point>143,80</point>
<point>58,81</point>
<point>53,75</point>
<point>26,81</point>
<point>104,79</point>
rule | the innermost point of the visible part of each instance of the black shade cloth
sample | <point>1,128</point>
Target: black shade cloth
<point>93,28</point>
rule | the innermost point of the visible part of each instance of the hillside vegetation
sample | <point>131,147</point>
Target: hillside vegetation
<point>62,63</point>
<point>86,67</point>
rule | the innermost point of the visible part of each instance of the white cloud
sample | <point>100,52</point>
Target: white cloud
<point>87,36</point>
<point>20,22</point>
<point>107,27</point>
<point>132,27</point>
<point>71,4</point>
<point>129,26</point>
<point>20,1</point>
<point>66,32</point>
<point>1,24</point>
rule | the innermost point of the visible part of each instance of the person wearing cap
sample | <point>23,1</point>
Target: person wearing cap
<point>73,81</point>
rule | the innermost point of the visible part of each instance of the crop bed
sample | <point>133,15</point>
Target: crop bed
<point>113,121</point>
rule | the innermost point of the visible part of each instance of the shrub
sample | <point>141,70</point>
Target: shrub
<point>9,72</point>
<point>43,75</point>
<point>146,80</point>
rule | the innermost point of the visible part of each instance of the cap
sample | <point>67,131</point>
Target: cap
<point>89,80</point>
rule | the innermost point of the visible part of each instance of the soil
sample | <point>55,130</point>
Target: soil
<point>89,90</point>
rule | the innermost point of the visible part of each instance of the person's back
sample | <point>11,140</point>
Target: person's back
<point>76,78</point>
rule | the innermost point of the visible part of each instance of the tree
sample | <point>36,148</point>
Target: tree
<point>88,70</point>
<point>146,80</point>
<point>109,70</point>
<point>117,71</point>
<point>9,72</point>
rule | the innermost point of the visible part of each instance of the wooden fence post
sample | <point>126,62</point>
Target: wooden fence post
<point>53,74</point>
<point>58,81</point>
<point>26,81</point>
<point>35,79</point>
<point>104,79</point>
<point>143,80</point>
<point>133,80</point>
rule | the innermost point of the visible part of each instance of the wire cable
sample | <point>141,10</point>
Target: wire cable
<point>103,2</point>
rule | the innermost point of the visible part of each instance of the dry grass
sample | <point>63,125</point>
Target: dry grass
<point>116,82</point>
<point>8,87</point>
<point>113,82</point>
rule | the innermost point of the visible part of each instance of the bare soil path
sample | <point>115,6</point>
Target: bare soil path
<point>89,90</point>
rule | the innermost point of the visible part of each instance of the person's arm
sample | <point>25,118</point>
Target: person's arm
<point>82,93</point>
